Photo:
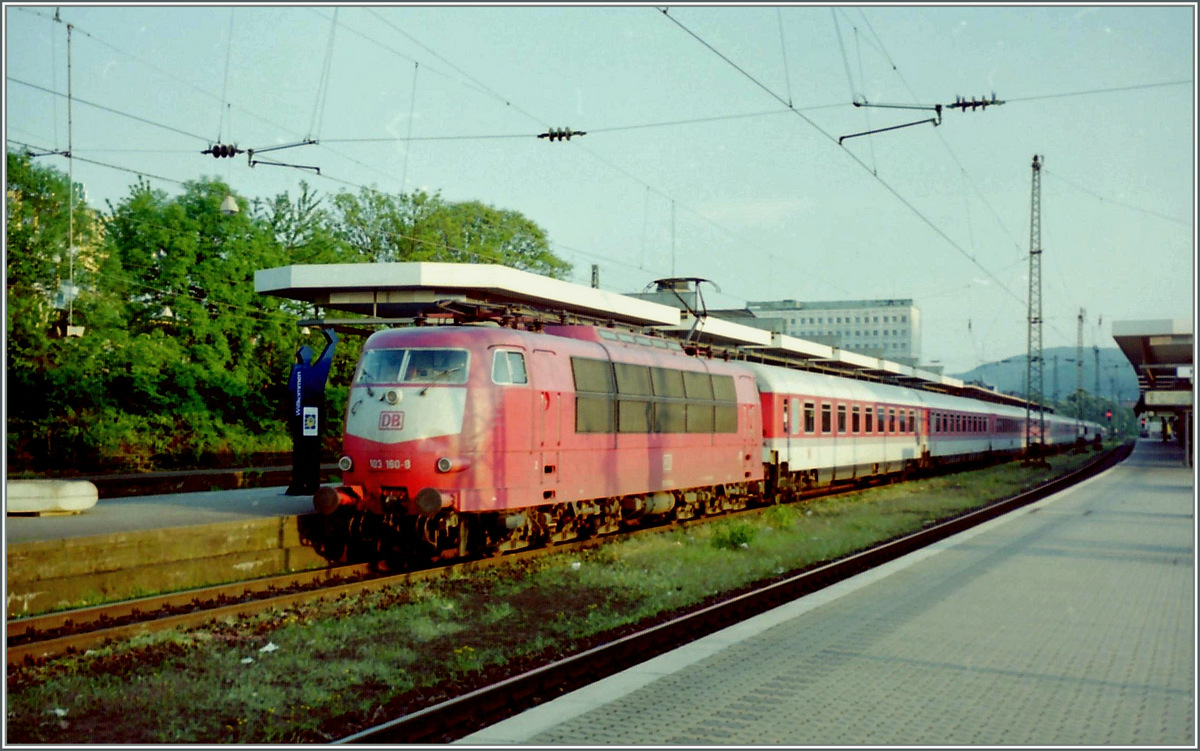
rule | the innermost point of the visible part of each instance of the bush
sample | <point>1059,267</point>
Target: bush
<point>733,535</point>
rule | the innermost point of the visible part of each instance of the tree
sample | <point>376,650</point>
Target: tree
<point>38,266</point>
<point>422,227</point>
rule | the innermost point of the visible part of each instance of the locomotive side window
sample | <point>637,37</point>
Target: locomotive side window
<point>595,376</point>
<point>508,367</point>
<point>699,417</point>
<point>634,415</point>
<point>627,398</point>
<point>810,417</point>
<point>667,383</point>
<point>633,379</point>
<point>697,385</point>
<point>594,404</point>
<point>723,388</point>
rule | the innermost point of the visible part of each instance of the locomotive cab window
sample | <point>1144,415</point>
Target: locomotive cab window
<point>383,366</point>
<point>508,367</point>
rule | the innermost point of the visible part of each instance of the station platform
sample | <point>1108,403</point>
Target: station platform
<point>137,513</point>
<point>1068,622</point>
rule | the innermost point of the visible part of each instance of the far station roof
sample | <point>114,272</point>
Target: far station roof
<point>1161,351</point>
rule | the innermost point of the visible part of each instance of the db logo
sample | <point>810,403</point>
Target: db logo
<point>391,420</point>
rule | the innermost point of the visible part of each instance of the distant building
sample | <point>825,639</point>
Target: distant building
<point>887,329</point>
<point>890,329</point>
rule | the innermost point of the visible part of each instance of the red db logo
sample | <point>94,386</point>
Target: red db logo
<point>391,420</point>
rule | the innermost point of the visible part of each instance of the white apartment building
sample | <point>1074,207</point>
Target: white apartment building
<point>890,329</point>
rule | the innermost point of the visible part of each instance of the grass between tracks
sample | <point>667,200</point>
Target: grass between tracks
<point>318,672</point>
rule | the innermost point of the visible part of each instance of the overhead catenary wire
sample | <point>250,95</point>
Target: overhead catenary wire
<point>120,113</point>
<point>1115,202</point>
<point>412,108</point>
<point>508,103</point>
<point>318,115</point>
<point>225,82</point>
<point>908,204</point>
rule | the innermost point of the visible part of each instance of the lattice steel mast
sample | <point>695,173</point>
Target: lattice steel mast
<point>1033,360</point>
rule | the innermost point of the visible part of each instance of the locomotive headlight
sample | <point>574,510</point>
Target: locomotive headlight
<point>449,464</point>
<point>345,464</point>
<point>392,396</point>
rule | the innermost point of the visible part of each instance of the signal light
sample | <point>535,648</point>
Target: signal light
<point>1108,414</point>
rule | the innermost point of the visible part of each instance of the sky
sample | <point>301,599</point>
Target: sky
<point>715,142</point>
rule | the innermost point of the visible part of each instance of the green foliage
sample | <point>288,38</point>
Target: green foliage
<point>733,535</point>
<point>181,358</point>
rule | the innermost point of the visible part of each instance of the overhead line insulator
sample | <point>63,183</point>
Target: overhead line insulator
<point>561,134</point>
<point>221,150</point>
<point>962,103</point>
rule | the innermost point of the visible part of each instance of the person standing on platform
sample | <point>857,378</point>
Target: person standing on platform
<point>306,388</point>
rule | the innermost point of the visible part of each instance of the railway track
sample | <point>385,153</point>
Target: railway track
<point>62,632</point>
<point>462,715</point>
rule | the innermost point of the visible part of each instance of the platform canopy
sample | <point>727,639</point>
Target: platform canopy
<point>1161,351</point>
<point>407,290</point>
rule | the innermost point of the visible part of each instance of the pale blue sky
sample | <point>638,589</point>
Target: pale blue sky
<point>767,206</point>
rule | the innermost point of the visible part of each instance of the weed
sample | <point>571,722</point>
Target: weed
<point>780,517</point>
<point>733,535</point>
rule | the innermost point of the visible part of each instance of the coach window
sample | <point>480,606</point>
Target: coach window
<point>868,427</point>
<point>810,417</point>
<point>508,367</point>
<point>841,423</point>
<point>855,425</point>
<point>826,418</point>
<point>903,424</point>
<point>912,421</point>
<point>891,420</point>
<point>786,422</point>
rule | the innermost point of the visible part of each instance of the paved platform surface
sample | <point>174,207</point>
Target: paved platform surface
<point>1069,622</point>
<point>111,515</point>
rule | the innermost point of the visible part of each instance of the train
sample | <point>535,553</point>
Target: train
<point>478,439</point>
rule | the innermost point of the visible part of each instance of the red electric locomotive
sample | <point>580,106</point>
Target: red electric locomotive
<point>467,439</point>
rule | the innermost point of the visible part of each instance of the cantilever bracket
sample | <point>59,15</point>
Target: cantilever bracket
<point>936,119</point>
<point>306,142</point>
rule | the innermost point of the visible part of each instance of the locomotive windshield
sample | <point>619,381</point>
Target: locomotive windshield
<point>383,366</point>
